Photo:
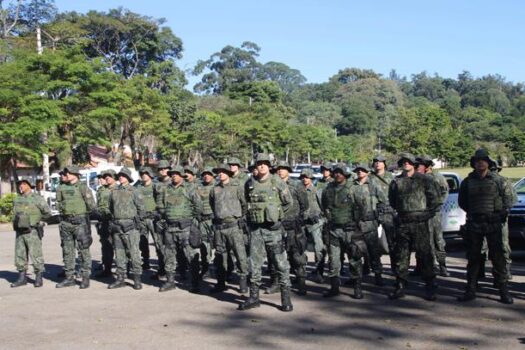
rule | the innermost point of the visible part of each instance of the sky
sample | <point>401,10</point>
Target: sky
<point>319,38</point>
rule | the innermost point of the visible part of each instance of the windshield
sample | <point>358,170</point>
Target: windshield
<point>453,183</point>
<point>520,186</point>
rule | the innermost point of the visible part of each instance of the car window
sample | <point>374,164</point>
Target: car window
<point>520,186</point>
<point>453,183</point>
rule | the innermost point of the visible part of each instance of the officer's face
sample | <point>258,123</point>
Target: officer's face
<point>326,173</point>
<point>23,187</point>
<point>123,180</point>
<point>110,180</point>
<point>207,178</point>
<point>283,173</point>
<point>361,174</point>
<point>145,177</point>
<point>234,168</point>
<point>177,178</point>
<point>72,178</point>
<point>407,165</point>
<point>421,168</point>
<point>163,172</point>
<point>255,172</point>
<point>223,177</point>
<point>306,181</point>
<point>481,165</point>
<point>379,166</point>
<point>64,178</point>
<point>189,176</point>
<point>339,176</point>
<point>101,181</point>
<point>263,169</point>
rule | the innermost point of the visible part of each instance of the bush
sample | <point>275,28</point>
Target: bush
<point>6,207</point>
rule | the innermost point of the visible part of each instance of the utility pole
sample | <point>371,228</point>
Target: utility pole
<point>45,156</point>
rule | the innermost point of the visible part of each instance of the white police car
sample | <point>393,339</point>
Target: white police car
<point>452,216</point>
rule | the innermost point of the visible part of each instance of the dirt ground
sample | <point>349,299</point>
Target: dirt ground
<point>98,318</point>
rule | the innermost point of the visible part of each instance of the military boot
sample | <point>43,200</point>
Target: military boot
<point>252,301</point>
<point>169,284</point>
<point>430,290</point>
<point>274,287</point>
<point>38,280</point>
<point>470,294</point>
<point>137,283</point>
<point>21,281</point>
<point>195,281</point>
<point>68,282</point>
<point>85,281</point>
<point>221,282</point>
<point>399,292</point>
<point>286,302</point>
<point>358,289</point>
<point>379,280</point>
<point>119,282</point>
<point>334,288</point>
<point>443,271</point>
<point>504,294</point>
<point>301,286</point>
<point>243,285</point>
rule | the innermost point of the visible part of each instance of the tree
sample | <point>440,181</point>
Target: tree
<point>288,79</point>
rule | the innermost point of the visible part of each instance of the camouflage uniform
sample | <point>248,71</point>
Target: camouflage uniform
<point>486,200</point>
<point>127,208</point>
<point>266,198</point>
<point>160,226</point>
<point>229,207</point>
<point>339,208</point>
<point>29,209</point>
<point>106,240</point>
<point>313,218</point>
<point>75,202</point>
<point>436,230</point>
<point>415,200</point>
<point>367,197</point>
<point>180,206</point>
<point>205,223</point>
<point>385,212</point>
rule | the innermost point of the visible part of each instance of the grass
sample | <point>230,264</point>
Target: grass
<point>514,174</point>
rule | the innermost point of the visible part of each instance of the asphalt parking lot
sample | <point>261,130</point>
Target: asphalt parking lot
<point>98,318</point>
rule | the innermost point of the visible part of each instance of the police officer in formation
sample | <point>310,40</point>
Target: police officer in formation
<point>275,216</point>
<point>30,210</point>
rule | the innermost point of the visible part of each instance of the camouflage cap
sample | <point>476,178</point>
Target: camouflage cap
<point>307,172</point>
<point>234,161</point>
<point>207,170</point>
<point>327,166</point>
<point>72,169</point>
<point>126,172</point>
<point>361,166</point>
<point>283,165</point>
<point>146,170</point>
<point>425,159</point>
<point>482,154</point>
<point>406,156</point>
<point>177,170</point>
<point>163,164</point>
<point>343,168</point>
<point>263,157</point>
<point>379,158</point>
<point>27,181</point>
<point>223,168</point>
<point>109,172</point>
<point>190,169</point>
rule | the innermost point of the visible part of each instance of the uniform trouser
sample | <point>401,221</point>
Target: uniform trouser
<point>268,241</point>
<point>476,233</point>
<point>74,236</point>
<point>29,244</point>
<point>436,234</point>
<point>374,251</point>
<point>148,227</point>
<point>296,251</point>
<point>177,239</point>
<point>315,234</point>
<point>343,240</point>
<point>231,241</point>
<point>387,222</point>
<point>106,243</point>
<point>414,236</point>
<point>127,250</point>
<point>158,237</point>
<point>506,246</point>
<point>206,249</point>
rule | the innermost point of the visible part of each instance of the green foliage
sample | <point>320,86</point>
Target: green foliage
<point>6,207</point>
